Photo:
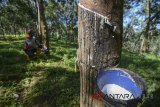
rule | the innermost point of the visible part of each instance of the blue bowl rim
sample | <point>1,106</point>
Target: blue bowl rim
<point>124,102</point>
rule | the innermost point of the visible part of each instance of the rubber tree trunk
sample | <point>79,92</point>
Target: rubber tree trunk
<point>3,30</point>
<point>145,40</point>
<point>99,46</point>
<point>42,25</point>
<point>14,29</point>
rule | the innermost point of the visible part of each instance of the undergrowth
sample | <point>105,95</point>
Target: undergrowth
<point>52,81</point>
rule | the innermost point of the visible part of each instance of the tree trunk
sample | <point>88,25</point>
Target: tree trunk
<point>14,29</point>
<point>99,46</point>
<point>145,40</point>
<point>3,31</point>
<point>42,26</point>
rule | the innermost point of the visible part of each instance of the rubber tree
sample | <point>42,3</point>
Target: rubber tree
<point>145,40</point>
<point>100,27</point>
<point>42,25</point>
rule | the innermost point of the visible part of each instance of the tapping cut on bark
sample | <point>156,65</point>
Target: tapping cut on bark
<point>99,46</point>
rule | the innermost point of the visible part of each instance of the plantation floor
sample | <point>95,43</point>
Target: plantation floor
<point>52,82</point>
<point>45,82</point>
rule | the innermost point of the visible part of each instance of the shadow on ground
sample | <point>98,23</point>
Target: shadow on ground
<point>149,69</point>
<point>42,82</point>
<point>12,69</point>
<point>152,100</point>
<point>60,88</point>
<point>12,62</point>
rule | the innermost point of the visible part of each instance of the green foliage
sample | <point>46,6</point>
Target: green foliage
<point>148,66</point>
<point>141,20</point>
<point>46,82</point>
<point>16,16</point>
<point>53,82</point>
<point>62,18</point>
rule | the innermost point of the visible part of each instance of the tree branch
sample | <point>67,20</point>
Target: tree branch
<point>154,16</point>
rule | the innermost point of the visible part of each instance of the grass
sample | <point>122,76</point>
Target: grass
<point>52,81</point>
<point>147,66</point>
<point>47,82</point>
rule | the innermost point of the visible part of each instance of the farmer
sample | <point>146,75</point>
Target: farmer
<point>31,45</point>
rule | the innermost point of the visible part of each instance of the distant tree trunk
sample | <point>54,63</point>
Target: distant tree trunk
<point>42,26</point>
<point>145,40</point>
<point>14,29</point>
<point>3,30</point>
<point>99,46</point>
<point>3,33</point>
<point>10,31</point>
<point>25,31</point>
<point>39,20</point>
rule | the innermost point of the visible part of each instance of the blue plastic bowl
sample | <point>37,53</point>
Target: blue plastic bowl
<point>120,87</point>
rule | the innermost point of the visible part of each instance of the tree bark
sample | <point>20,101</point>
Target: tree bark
<point>14,29</point>
<point>3,30</point>
<point>145,40</point>
<point>99,46</point>
<point>42,25</point>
